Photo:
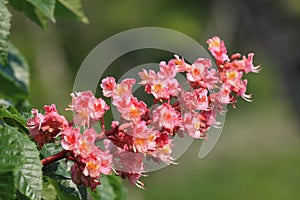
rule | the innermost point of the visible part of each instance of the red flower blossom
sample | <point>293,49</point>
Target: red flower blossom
<point>44,128</point>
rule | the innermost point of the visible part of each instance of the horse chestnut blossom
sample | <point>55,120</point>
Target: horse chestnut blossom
<point>44,128</point>
<point>87,108</point>
<point>162,85</point>
<point>144,132</point>
<point>218,50</point>
<point>166,117</point>
<point>89,160</point>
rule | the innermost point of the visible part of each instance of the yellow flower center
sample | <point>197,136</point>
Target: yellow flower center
<point>197,125</point>
<point>157,87</point>
<point>92,166</point>
<point>134,112</point>
<point>215,44</point>
<point>232,75</point>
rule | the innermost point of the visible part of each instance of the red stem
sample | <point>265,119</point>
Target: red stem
<point>55,157</point>
<point>111,131</point>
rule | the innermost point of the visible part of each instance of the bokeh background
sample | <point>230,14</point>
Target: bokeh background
<point>257,156</point>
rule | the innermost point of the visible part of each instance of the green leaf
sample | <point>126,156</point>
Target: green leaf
<point>5,17</point>
<point>14,78</point>
<point>11,156</point>
<point>118,187</point>
<point>50,149</point>
<point>24,107</point>
<point>20,196</point>
<point>52,190</point>
<point>28,177</point>
<point>30,11</point>
<point>46,7</point>
<point>70,9</point>
<point>40,11</point>
<point>64,189</point>
<point>49,192</point>
<point>13,118</point>
<point>104,191</point>
<point>7,188</point>
<point>19,155</point>
<point>60,169</point>
<point>59,176</point>
<point>111,188</point>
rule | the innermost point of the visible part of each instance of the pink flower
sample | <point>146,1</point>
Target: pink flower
<point>85,145</point>
<point>199,68</point>
<point>209,118</point>
<point>159,89</point>
<point>44,128</point>
<point>200,74</point>
<point>92,168</point>
<point>143,145</point>
<point>173,87</point>
<point>232,77</point>
<point>140,130</point>
<point>129,162</point>
<point>147,78</point>
<point>125,161</point>
<point>233,83</point>
<point>249,67</point>
<point>246,64</point>
<point>242,91</point>
<point>88,109</point>
<point>79,178</point>
<point>193,125</point>
<point>133,178</point>
<point>166,71</point>
<point>91,161</point>
<point>164,153</point>
<point>97,163</point>
<point>133,110</point>
<point>165,116</point>
<point>52,121</point>
<point>162,139</point>
<point>162,85</point>
<point>196,100</point>
<point>120,93</point>
<point>143,138</point>
<point>34,123</point>
<point>106,162</point>
<point>70,138</point>
<point>142,134</point>
<point>212,79</point>
<point>129,165</point>
<point>124,88</point>
<point>224,95</point>
<point>217,48</point>
<point>122,140</point>
<point>179,63</point>
<point>163,148</point>
<point>108,85</point>
<point>100,107</point>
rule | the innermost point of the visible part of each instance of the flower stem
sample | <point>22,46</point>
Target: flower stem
<point>51,159</point>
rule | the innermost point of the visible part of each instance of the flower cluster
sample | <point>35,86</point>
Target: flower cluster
<point>89,160</point>
<point>231,71</point>
<point>134,132</point>
<point>44,128</point>
<point>145,132</point>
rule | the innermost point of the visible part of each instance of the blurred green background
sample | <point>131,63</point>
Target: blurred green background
<point>257,156</point>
